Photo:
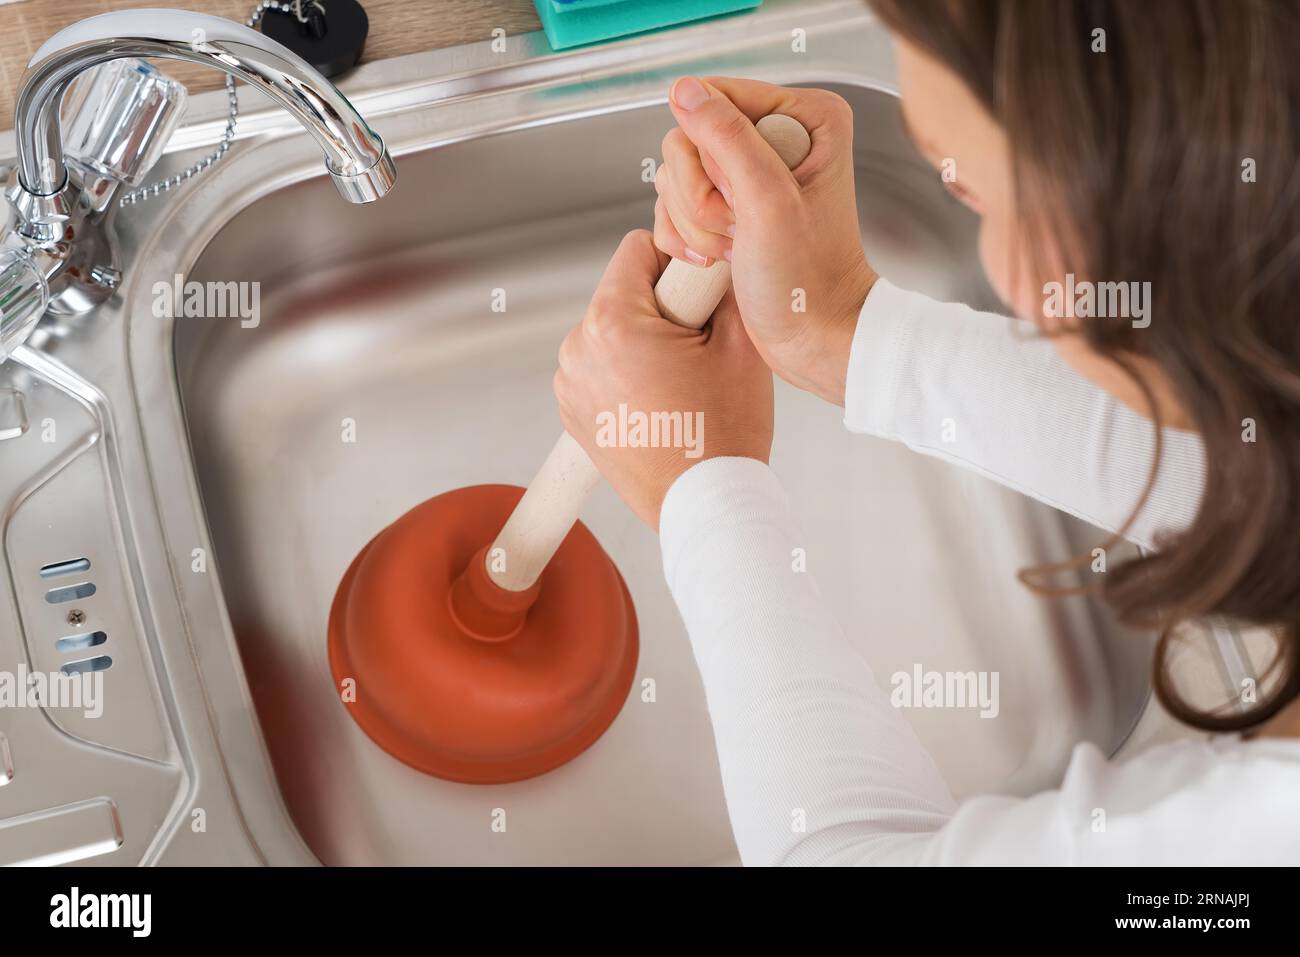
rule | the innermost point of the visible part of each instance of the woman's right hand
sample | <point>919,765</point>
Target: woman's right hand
<point>798,269</point>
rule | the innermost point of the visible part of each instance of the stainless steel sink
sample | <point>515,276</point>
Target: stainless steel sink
<point>239,500</point>
<point>383,317</point>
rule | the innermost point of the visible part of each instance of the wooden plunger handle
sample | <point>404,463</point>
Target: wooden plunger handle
<point>687,295</point>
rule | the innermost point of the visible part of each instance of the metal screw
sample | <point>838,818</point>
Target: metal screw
<point>76,617</point>
<point>106,276</point>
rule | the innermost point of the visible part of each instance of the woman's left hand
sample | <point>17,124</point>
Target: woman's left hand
<point>648,399</point>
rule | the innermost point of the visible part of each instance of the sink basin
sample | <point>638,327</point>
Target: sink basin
<point>406,348</point>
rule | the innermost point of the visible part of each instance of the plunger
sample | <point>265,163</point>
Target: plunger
<point>488,635</point>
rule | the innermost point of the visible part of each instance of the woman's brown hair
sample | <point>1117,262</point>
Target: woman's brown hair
<point>1166,134</point>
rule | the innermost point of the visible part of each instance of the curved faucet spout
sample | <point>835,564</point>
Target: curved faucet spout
<point>354,154</point>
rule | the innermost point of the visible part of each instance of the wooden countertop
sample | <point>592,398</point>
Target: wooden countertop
<point>396,27</point>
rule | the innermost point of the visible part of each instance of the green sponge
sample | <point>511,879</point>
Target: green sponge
<point>571,23</point>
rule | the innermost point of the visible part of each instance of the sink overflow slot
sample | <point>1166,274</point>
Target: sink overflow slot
<point>87,665</point>
<point>76,642</point>
<point>56,596</point>
<point>59,569</point>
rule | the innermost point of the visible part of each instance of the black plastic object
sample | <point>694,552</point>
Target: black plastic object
<point>331,41</point>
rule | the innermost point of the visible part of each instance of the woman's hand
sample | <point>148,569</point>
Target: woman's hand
<point>799,273</point>
<point>629,377</point>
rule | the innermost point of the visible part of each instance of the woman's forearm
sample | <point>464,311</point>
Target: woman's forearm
<point>989,394</point>
<point>814,759</point>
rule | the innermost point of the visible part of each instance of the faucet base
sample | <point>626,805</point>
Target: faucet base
<point>67,241</point>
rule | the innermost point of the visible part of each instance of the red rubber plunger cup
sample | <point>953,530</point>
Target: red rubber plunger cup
<point>468,681</point>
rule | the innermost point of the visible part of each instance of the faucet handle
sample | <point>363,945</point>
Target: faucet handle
<point>119,117</point>
<point>23,298</point>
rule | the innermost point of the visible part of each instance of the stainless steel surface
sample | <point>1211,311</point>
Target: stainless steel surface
<point>200,465</point>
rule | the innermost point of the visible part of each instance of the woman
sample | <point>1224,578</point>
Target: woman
<point>1100,143</point>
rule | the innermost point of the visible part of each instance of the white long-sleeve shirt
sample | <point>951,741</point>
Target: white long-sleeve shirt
<point>817,766</point>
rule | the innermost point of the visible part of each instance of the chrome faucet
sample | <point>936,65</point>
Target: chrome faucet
<point>57,249</point>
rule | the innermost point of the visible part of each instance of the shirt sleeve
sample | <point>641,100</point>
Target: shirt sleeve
<point>818,767</point>
<point>809,747</point>
<point>989,394</point>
